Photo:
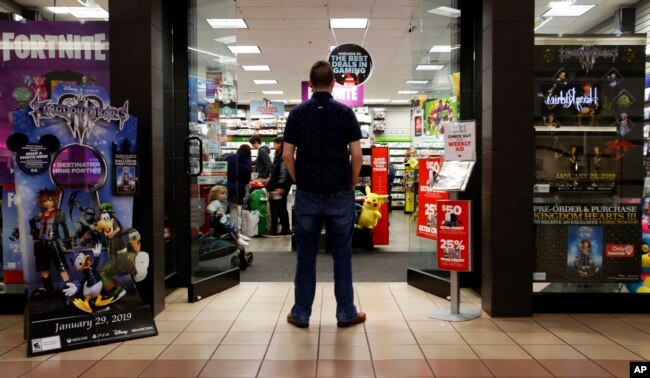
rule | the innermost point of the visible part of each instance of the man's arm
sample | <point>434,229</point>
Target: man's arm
<point>288,155</point>
<point>356,160</point>
<point>265,158</point>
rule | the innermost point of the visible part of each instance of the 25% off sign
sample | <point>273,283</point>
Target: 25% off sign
<point>454,237</point>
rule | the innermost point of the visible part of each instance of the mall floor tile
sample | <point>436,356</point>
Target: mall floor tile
<point>242,332</point>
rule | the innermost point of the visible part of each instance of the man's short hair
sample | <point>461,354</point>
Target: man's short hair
<point>255,139</point>
<point>278,140</point>
<point>321,74</point>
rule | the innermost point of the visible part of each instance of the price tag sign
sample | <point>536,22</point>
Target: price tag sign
<point>428,170</point>
<point>454,242</point>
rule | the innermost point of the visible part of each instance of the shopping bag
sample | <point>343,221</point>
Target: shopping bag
<point>249,221</point>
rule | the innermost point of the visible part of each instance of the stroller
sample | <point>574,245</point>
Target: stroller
<point>226,232</point>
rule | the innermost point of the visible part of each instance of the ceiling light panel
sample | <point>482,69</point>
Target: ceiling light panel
<point>348,23</point>
<point>568,11</point>
<point>429,67</point>
<point>227,23</point>
<point>446,11</point>
<point>417,82</point>
<point>256,68</point>
<point>272,92</point>
<point>90,12</point>
<point>227,40</point>
<point>244,49</point>
<point>407,92</point>
<point>264,81</point>
<point>58,10</point>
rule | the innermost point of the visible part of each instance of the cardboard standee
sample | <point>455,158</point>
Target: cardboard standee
<point>79,252</point>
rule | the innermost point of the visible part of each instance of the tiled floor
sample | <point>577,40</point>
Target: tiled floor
<point>243,332</point>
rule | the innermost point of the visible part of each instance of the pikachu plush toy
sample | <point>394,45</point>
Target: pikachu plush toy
<point>370,213</point>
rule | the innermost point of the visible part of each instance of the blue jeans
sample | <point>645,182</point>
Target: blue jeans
<point>337,211</point>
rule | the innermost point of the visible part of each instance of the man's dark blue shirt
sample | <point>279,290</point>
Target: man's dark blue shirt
<point>321,129</point>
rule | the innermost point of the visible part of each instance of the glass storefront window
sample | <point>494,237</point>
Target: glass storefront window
<point>590,209</point>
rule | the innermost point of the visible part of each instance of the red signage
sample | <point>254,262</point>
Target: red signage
<point>454,247</point>
<point>379,162</point>
<point>428,170</point>
<point>619,250</point>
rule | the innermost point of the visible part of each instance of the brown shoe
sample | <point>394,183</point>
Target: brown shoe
<point>293,321</point>
<point>360,318</point>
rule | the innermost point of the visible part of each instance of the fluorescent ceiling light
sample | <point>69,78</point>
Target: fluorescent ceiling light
<point>445,11</point>
<point>376,101</point>
<point>227,23</point>
<point>88,12</point>
<point>58,10</point>
<point>264,81</point>
<point>440,48</point>
<point>87,3</point>
<point>348,23</point>
<point>400,101</point>
<point>407,92</point>
<point>568,11</point>
<point>256,68</point>
<point>244,49</point>
<point>561,3</point>
<point>419,82</point>
<point>272,92</point>
<point>225,59</point>
<point>227,40</point>
<point>429,67</point>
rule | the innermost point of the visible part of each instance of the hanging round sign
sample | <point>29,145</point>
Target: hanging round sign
<point>352,64</point>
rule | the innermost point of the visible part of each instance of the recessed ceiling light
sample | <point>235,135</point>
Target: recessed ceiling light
<point>419,82</point>
<point>58,10</point>
<point>400,101</point>
<point>376,101</point>
<point>244,49</point>
<point>348,23</point>
<point>227,40</point>
<point>429,67</point>
<point>407,92</point>
<point>227,23</point>
<point>568,11</point>
<point>445,11</point>
<point>90,12</point>
<point>272,92</point>
<point>265,81</point>
<point>561,3</point>
<point>440,48</point>
<point>256,68</point>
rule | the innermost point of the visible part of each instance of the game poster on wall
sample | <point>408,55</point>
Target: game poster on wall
<point>587,242</point>
<point>437,113</point>
<point>589,114</point>
<point>428,170</point>
<point>36,57</point>
<point>80,255</point>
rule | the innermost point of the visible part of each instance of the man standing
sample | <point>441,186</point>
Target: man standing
<point>322,153</point>
<point>263,164</point>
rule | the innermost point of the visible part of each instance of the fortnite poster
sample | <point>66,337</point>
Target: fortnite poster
<point>587,242</point>
<point>39,55</point>
<point>80,254</point>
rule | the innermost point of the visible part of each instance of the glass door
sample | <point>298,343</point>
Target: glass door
<point>214,256</point>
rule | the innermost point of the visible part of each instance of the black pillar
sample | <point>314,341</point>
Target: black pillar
<point>507,157</point>
<point>135,36</point>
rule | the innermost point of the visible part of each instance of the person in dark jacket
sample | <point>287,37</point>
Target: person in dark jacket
<point>278,187</point>
<point>263,164</point>
<point>239,175</point>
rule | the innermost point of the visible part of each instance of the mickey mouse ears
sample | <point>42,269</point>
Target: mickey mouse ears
<point>19,140</point>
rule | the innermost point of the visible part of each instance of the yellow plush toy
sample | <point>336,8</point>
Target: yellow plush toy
<point>370,213</point>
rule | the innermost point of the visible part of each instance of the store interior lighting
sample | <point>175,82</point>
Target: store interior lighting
<point>568,11</point>
<point>348,23</point>
<point>256,68</point>
<point>227,23</point>
<point>244,49</point>
<point>446,11</point>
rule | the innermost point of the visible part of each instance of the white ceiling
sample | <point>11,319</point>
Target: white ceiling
<point>293,34</point>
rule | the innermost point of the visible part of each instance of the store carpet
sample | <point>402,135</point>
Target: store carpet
<point>366,267</point>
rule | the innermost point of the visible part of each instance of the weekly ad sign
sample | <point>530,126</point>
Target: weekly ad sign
<point>460,141</point>
<point>350,96</point>
<point>39,55</point>
<point>454,235</point>
<point>428,170</point>
<point>587,242</point>
<point>267,108</point>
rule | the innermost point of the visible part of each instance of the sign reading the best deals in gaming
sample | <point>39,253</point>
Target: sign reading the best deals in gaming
<point>351,63</point>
